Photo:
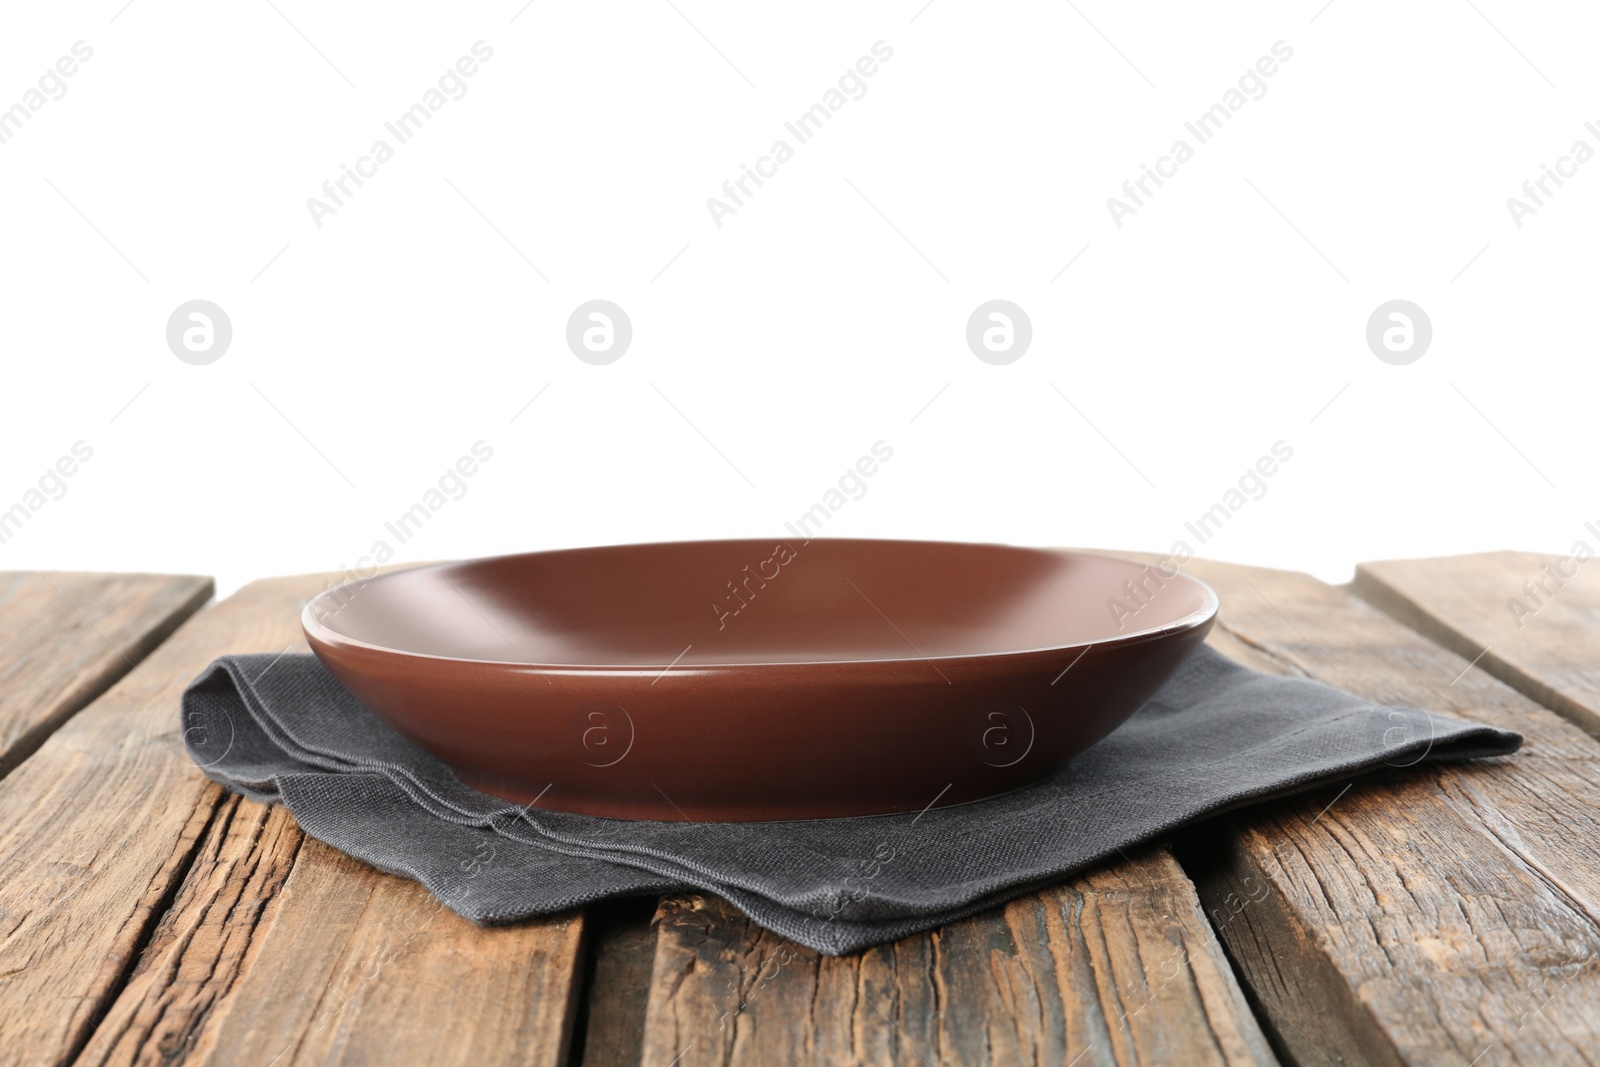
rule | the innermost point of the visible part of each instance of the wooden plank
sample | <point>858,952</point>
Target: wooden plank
<point>279,949</point>
<point>1118,966</point>
<point>357,965</point>
<point>203,942</point>
<point>1438,915</point>
<point>65,638</point>
<point>617,985</point>
<point>1531,620</point>
<point>1448,914</point>
<point>97,828</point>
<point>148,916</point>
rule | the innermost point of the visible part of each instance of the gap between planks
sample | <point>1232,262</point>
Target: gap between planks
<point>1516,615</point>
<point>1439,914</point>
<point>125,871</point>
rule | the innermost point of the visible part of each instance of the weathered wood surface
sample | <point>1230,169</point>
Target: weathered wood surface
<point>1437,916</point>
<point>201,944</point>
<point>97,829</point>
<point>1429,915</point>
<point>65,638</point>
<point>1444,915</point>
<point>617,985</point>
<point>1531,620</point>
<point>1118,966</point>
<point>147,917</point>
<point>358,966</point>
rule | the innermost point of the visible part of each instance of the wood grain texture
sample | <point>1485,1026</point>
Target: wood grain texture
<point>97,829</point>
<point>147,917</point>
<point>65,638</point>
<point>1531,620</point>
<point>1440,915</point>
<point>617,985</point>
<point>205,940</point>
<point>1115,967</point>
<point>1429,915</point>
<point>357,966</point>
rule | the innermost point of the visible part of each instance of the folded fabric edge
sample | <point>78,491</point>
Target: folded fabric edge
<point>837,936</point>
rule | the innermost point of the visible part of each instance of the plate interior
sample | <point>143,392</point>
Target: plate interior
<point>740,602</point>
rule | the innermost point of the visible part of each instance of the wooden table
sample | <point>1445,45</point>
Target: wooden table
<point>1438,915</point>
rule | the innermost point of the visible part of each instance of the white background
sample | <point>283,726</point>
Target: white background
<point>368,354</point>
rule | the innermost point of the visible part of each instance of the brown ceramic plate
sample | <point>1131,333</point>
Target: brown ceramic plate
<point>742,680</point>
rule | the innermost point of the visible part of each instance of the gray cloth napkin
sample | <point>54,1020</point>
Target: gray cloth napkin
<point>1217,736</point>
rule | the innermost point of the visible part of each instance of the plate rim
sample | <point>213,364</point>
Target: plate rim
<point>317,632</point>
